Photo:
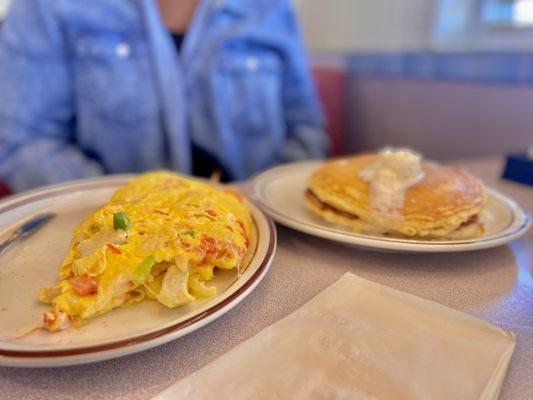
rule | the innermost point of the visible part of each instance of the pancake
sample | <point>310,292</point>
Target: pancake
<point>445,204</point>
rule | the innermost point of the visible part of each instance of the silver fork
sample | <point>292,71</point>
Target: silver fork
<point>27,229</point>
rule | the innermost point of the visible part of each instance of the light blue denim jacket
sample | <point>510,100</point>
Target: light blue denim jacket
<point>94,86</point>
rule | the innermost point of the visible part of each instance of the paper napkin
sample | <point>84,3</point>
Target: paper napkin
<point>360,340</point>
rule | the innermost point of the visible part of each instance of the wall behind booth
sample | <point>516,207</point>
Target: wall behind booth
<point>442,119</point>
<point>346,26</point>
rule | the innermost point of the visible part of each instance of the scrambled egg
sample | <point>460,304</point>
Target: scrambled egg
<point>160,237</point>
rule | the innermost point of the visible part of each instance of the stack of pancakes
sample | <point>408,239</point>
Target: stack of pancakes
<point>445,204</point>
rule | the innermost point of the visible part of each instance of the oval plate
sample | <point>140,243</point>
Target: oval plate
<point>280,192</point>
<point>33,263</point>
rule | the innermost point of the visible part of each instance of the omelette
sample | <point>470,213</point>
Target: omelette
<point>161,237</point>
<point>445,203</point>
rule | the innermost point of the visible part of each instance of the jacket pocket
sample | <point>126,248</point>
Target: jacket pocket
<point>249,92</point>
<point>113,78</point>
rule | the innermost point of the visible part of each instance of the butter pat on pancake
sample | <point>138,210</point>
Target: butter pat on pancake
<point>162,236</point>
<point>437,206</point>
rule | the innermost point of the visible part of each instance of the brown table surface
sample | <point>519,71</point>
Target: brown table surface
<point>495,285</point>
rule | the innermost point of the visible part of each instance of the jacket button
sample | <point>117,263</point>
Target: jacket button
<point>252,63</point>
<point>123,50</point>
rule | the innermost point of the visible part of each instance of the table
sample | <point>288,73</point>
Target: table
<point>495,285</point>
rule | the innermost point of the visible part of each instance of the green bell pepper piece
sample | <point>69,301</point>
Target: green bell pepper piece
<point>122,221</point>
<point>143,269</point>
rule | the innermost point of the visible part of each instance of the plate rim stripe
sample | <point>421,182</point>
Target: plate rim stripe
<point>38,194</point>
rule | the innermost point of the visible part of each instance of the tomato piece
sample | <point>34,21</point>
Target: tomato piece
<point>113,249</point>
<point>233,191</point>
<point>209,240</point>
<point>84,285</point>
<point>160,212</point>
<point>238,250</point>
<point>223,253</point>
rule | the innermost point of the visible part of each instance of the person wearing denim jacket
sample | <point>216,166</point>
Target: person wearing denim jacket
<point>97,86</point>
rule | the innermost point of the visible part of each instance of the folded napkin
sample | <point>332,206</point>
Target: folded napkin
<point>360,340</point>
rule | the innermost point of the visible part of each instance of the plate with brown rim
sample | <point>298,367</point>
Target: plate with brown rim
<point>280,193</point>
<point>33,263</point>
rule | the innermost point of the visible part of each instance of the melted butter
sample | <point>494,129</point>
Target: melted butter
<point>394,172</point>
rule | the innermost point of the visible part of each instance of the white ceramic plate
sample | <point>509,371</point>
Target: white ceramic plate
<point>33,263</point>
<point>280,192</point>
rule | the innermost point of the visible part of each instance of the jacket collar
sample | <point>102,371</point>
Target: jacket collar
<point>239,7</point>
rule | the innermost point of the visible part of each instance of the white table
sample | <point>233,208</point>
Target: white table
<point>495,285</point>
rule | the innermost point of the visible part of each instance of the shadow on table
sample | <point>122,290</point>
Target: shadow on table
<point>466,279</point>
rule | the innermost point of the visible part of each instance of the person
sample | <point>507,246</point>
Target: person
<point>91,87</point>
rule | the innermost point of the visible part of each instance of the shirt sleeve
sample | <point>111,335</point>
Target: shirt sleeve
<point>306,136</point>
<point>36,101</point>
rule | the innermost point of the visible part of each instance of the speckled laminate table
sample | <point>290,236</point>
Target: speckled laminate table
<point>495,285</point>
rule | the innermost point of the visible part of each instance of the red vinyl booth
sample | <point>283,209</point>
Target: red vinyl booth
<point>331,85</point>
<point>4,190</point>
